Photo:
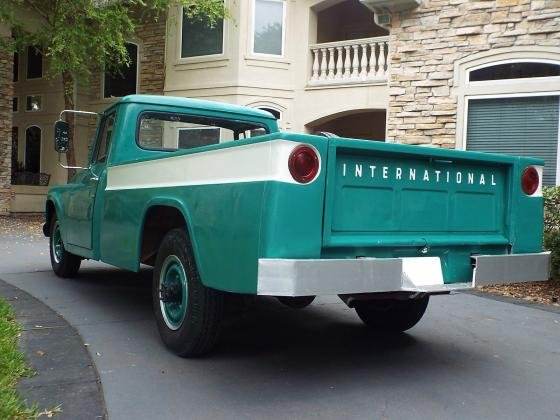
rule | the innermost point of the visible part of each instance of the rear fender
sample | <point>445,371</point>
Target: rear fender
<point>182,208</point>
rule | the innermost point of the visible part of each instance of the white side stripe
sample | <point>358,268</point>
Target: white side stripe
<point>266,161</point>
<point>538,192</point>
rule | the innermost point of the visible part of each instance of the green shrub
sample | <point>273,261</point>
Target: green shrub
<point>551,197</point>
<point>552,243</point>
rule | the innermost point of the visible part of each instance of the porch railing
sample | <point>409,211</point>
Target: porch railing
<point>350,61</point>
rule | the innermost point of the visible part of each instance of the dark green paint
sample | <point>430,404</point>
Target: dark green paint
<point>57,245</point>
<point>173,276</point>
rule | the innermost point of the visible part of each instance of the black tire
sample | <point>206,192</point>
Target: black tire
<point>63,263</point>
<point>195,331</point>
<point>391,315</point>
<point>297,302</point>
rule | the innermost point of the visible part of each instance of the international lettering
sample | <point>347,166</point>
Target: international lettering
<point>437,176</point>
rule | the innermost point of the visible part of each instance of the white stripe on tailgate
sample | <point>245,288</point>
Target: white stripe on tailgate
<point>266,161</point>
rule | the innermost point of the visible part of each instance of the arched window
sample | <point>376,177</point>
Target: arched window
<point>125,80</point>
<point>277,114</point>
<point>514,70</point>
<point>33,149</point>
<point>15,166</point>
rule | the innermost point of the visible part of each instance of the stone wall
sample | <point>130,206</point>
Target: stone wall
<point>427,41</point>
<point>6,88</point>
<point>150,36</point>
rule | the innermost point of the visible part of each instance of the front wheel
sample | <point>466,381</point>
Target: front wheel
<point>188,314</point>
<point>391,315</point>
<point>63,263</point>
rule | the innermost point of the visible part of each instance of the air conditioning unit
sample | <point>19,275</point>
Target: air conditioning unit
<point>382,9</point>
<point>390,5</point>
<point>383,19</point>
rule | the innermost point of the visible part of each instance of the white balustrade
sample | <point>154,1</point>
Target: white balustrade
<point>351,61</point>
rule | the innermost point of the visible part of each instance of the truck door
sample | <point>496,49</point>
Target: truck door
<point>81,201</point>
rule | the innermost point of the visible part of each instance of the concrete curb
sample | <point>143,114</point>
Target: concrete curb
<point>66,375</point>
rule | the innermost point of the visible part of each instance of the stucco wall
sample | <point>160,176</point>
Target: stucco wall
<point>6,87</point>
<point>238,76</point>
<point>428,41</point>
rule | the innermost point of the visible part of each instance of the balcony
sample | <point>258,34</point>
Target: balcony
<point>351,61</point>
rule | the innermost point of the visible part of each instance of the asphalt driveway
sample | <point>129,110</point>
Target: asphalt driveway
<point>470,357</point>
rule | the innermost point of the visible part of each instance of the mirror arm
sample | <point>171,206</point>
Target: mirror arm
<point>68,167</point>
<point>77,112</point>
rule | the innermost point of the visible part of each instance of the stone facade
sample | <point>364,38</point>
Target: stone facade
<point>6,87</point>
<point>428,41</point>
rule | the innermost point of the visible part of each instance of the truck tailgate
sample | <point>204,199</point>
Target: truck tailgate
<point>423,196</point>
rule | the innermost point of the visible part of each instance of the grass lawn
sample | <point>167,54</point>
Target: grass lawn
<point>12,367</point>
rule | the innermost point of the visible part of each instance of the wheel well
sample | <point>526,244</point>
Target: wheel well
<point>158,221</point>
<point>49,212</point>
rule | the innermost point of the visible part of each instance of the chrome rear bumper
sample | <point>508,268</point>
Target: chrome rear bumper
<point>298,277</point>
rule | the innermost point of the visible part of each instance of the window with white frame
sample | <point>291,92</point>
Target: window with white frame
<point>268,27</point>
<point>512,120</point>
<point>200,38</point>
<point>123,81</point>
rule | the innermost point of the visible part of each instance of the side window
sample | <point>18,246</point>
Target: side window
<point>170,131</point>
<point>105,139</point>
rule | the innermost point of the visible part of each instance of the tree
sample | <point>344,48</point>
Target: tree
<point>78,36</point>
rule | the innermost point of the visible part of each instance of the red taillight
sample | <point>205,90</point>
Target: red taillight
<point>303,164</point>
<point>530,180</point>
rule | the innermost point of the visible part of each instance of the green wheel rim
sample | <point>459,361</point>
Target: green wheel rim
<point>173,293</point>
<point>56,243</point>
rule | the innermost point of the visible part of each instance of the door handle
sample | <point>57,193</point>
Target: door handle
<point>94,179</point>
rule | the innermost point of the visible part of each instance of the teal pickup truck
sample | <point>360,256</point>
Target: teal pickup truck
<point>220,202</point>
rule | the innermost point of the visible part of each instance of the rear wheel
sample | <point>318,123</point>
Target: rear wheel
<point>188,314</point>
<point>392,315</point>
<point>64,264</point>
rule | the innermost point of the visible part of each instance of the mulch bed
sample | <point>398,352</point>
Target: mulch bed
<point>547,292</point>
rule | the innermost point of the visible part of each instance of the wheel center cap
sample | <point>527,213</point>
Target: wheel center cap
<point>171,293</point>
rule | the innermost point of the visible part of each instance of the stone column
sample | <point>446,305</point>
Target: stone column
<point>6,94</point>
